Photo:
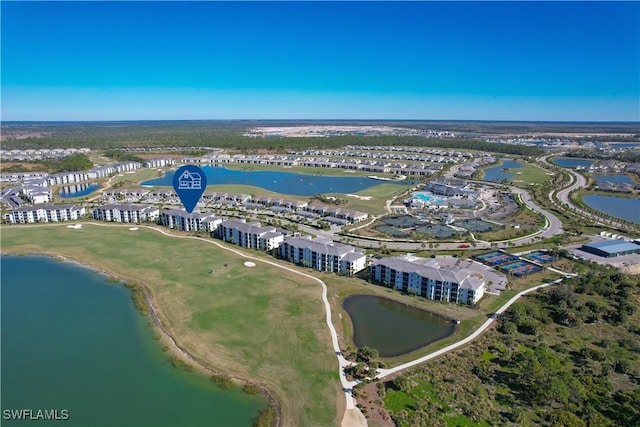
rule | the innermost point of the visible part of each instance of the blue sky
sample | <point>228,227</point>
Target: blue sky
<point>574,61</point>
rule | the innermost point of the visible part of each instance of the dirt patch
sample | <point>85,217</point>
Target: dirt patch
<point>24,165</point>
<point>353,418</point>
<point>370,403</point>
<point>633,269</point>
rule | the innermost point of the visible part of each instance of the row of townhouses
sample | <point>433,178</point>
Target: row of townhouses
<point>427,278</point>
<point>299,206</point>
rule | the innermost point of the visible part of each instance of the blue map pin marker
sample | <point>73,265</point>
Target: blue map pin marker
<point>189,182</point>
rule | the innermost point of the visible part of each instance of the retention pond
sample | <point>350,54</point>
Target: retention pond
<point>391,327</point>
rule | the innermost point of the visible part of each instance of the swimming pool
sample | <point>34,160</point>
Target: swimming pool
<point>428,198</point>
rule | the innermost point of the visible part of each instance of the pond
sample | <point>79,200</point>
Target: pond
<point>619,207</point>
<point>72,341</point>
<point>497,174</point>
<point>78,190</point>
<point>391,327</point>
<point>280,182</point>
<point>572,162</point>
<point>617,178</point>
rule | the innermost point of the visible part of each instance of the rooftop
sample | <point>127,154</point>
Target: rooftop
<point>613,246</point>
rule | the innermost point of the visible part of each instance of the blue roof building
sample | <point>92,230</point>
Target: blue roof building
<point>611,248</point>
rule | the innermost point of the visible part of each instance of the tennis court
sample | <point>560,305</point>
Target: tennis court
<point>496,258</point>
<point>438,231</point>
<point>403,221</point>
<point>520,268</point>
<point>392,231</point>
<point>540,256</point>
<point>477,225</point>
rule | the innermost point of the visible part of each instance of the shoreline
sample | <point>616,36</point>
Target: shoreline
<point>157,324</point>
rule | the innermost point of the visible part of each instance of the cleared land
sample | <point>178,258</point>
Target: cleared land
<point>261,323</point>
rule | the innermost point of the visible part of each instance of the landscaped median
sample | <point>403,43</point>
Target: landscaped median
<point>263,324</point>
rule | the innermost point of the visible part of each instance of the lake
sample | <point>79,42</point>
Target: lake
<point>496,173</point>
<point>78,190</point>
<point>391,327</point>
<point>572,162</point>
<point>71,340</point>
<point>619,207</point>
<point>618,178</point>
<point>280,182</point>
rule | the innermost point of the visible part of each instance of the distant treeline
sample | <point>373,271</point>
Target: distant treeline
<point>123,156</point>
<point>73,163</point>
<point>230,137</point>
<point>628,156</point>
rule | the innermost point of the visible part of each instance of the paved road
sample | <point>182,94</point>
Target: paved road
<point>564,198</point>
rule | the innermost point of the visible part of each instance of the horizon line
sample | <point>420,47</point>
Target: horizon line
<point>318,120</point>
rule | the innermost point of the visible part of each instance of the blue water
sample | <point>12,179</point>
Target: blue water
<point>280,182</point>
<point>617,178</point>
<point>570,162</point>
<point>428,198</point>
<point>618,207</point>
<point>496,173</point>
<point>72,341</point>
<point>78,190</point>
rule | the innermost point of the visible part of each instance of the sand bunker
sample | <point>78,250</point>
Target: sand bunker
<point>249,264</point>
<point>359,197</point>
<point>75,227</point>
<point>133,228</point>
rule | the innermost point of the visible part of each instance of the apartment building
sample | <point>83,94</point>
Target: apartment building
<point>428,278</point>
<point>323,255</point>
<point>126,213</point>
<point>179,219</point>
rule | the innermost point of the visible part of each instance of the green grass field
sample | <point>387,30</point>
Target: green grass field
<point>379,195</point>
<point>529,174</point>
<point>261,323</point>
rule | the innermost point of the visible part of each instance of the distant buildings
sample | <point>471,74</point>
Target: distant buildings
<point>428,278</point>
<point>158,163</point>
<point>48,213</point>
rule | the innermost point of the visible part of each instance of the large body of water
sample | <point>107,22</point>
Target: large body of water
<point>496,173</point>
<point>572,162</point>
<point>280,182</point>
<point>391,327</point>
<point>72,341</point>
<point>619,207</point>
<point>78,190</point>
